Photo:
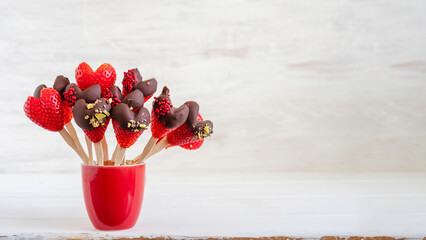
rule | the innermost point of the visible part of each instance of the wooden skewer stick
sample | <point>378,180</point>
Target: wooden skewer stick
<point>162,144</point>
<point>124,160</point>
<point>134,160</point>
<point>104,149</point>
<point>68,139</point>
<point>114,158</point>
<point>148,147</point>
<point>114,154</point>
<point>121,152</point>
<point>98,150</point>
<point>69,126</point>
<point>90,150</point>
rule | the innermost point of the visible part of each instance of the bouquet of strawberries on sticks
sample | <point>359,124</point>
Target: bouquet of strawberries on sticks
<point>95,101</point>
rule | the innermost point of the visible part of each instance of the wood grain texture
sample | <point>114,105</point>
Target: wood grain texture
<point>290,85</point>
<point>237,238</point>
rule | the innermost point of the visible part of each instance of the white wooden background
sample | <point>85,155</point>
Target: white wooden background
<point>290,85</point>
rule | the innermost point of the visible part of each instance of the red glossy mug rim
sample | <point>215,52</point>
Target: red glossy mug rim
<point>112,166</point>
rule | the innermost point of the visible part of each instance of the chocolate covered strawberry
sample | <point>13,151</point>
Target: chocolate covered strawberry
<point>105,76</point>
<point>164,118</point>
<point>133,80</point>
<point>190,135</point>
<point>46,110</point>
<point>191,132</point>
<point>128,126</point>
<point>73,92</point>
<point>93,118</point>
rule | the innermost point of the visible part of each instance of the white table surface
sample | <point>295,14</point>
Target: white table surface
<point>248,204</point>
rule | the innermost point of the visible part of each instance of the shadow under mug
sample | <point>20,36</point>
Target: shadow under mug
<point>113,195</point>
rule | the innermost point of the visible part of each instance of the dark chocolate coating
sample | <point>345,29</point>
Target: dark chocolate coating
<point>199,129</point>
<point>147,87</point>
<point>176,117</point>
<point>134,99</point>
<point>38,90</point>
<point>171,117</point>
<point>129,120</point>
<point>194,109</point>
<point>130,80</point>
<point>89,118</point>
<point>61,83</point>
<point>90,94</point>
<point>164,96</point>
<point>113,93</point>
<point>115,90</point>
<point>196,126</point>
<point>138,76</point>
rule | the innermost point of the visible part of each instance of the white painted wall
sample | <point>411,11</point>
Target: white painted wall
<point>290,85</point>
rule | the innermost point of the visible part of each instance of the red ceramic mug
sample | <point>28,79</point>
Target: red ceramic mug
<point>113,195</point>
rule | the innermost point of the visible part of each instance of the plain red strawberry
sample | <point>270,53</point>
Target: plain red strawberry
<point>84,75</point>
<point>125,138</point>
<point>105,76</point>
<point>47,112</point>
<point>67,112</point>
<point>96,135</point>
<point>181,136</point>
<point>193,146</point>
